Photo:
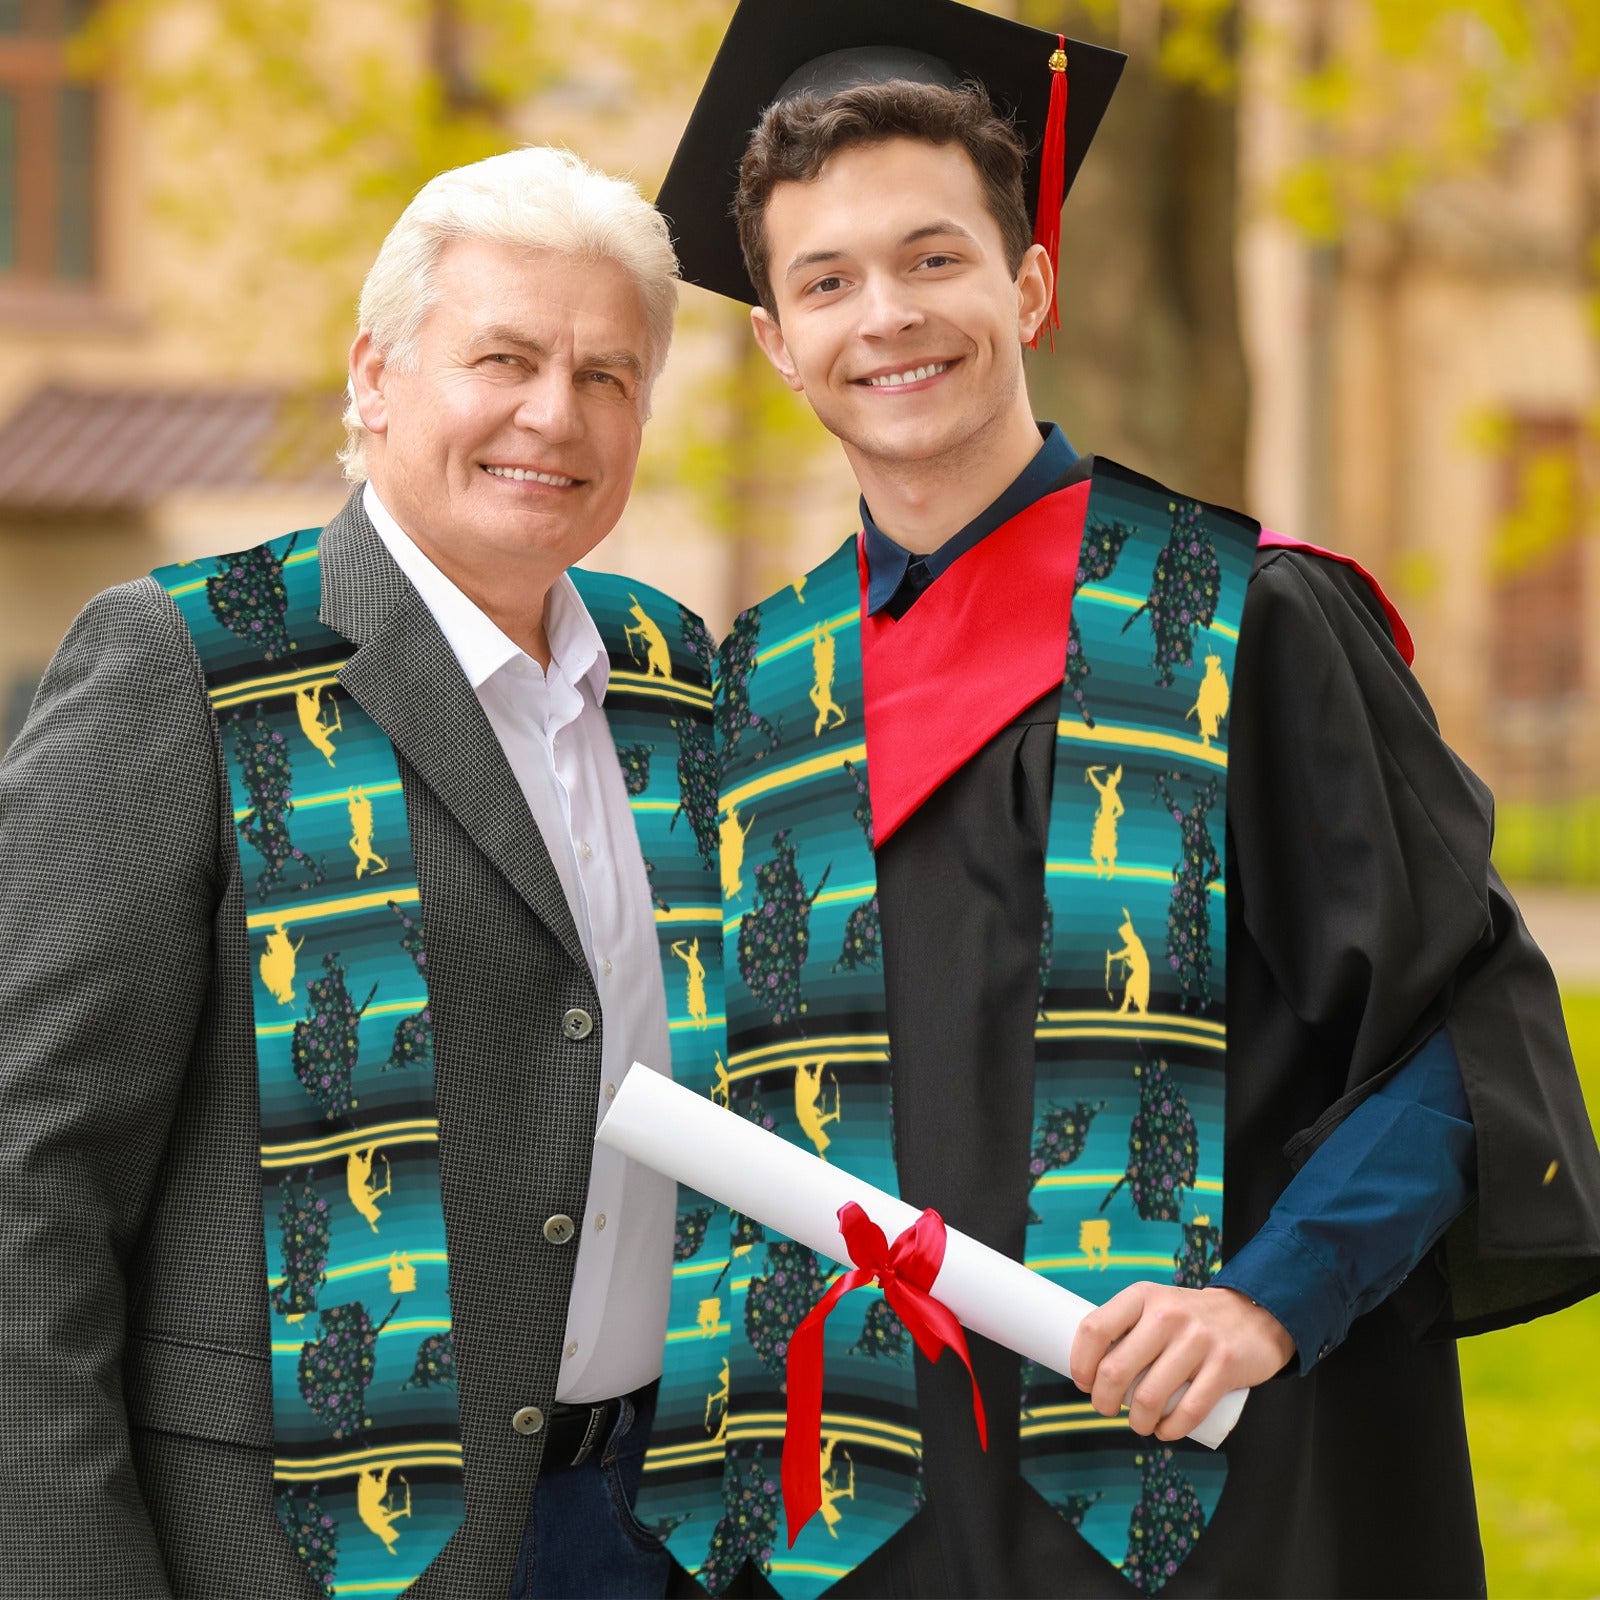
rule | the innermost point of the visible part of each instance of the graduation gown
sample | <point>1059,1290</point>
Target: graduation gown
<point>1363,912</point>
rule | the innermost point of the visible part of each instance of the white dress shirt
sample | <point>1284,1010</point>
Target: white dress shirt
<point>554,733</point>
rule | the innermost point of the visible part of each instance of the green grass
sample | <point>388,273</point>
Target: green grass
<point>1533,1415</point>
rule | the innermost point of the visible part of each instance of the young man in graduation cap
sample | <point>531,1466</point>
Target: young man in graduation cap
<point>1105,886</point>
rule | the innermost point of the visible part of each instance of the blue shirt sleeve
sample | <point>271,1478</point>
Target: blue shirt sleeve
<point>1367,1206</point>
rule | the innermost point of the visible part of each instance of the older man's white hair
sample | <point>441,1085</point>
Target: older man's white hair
<point>537,197</point>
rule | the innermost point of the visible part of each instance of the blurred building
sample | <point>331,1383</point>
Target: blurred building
<point>160,402</point>
<point>1426,396</point>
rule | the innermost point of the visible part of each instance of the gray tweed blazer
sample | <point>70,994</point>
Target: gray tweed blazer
<point>135,1399</point>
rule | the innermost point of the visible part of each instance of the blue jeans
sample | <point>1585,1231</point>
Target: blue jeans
<point>583,1540</point>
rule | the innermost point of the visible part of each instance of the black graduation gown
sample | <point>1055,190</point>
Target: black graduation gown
<point>1362,912</point>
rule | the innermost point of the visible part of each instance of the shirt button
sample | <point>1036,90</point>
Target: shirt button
<point>530,1419</point>
<point>600,1223</point>
<point>606,967</point>
<point>571,1350</point>
<point>588,851</point>
<point>577,1024</point>
<point>559,1229</point>
<point>611,1091</point>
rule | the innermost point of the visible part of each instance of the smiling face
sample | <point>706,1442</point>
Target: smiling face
<point>509,448</point>
<point>898,316</point>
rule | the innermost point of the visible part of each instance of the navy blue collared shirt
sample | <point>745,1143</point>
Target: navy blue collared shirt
<point>895,577</point>
<point>1379,1192</point>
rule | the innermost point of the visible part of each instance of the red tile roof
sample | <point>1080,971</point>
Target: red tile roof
<point>95,450</point>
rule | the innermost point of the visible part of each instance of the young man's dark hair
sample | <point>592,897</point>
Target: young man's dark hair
<point>797,136</point>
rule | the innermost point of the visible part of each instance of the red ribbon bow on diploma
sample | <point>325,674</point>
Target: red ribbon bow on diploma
<point>906,1269</point>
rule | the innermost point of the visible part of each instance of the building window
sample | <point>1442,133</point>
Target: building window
<point>1538,565</point>
<point>48,140</point>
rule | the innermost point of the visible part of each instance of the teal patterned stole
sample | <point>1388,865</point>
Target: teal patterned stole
<point>1130,1040</point>
<point>368,1455</point>
<point>367,1437</point>
<point>659,706</point>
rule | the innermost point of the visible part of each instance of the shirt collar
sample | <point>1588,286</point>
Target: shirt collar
<point>888,561</point>
<point>478,642</point>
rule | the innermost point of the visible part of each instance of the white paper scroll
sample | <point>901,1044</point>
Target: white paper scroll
<point>674,1131</point>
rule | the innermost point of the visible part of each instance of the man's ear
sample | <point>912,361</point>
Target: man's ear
<point>1036,283</point>
<point>774,347</point>
<point>367,372</point>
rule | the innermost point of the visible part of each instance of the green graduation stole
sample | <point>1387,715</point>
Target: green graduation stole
<point>367,1437</point>
<point>658,704</point>
<point>364,1409</point>
<point>1129,1115</point>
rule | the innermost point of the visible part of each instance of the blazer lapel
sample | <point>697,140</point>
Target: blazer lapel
<point>406,677</point>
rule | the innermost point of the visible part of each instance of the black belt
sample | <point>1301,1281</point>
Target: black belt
<point>573,1433</point>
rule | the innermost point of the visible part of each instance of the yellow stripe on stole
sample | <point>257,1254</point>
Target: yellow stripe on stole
<point>356,1268</point>
<point>841,1425</point>
<point>1095,1180</point>
<point>294,560</point>
<point>292,915</point>
<point>1119,737</point>
<point>389,1008</point>
<point>422,1130</point>
<point>799,641</point>
<point>1087,869</point>
<point>334,797</point>
<point>658,688</point>
<point>1132,602</point>
<point>275,684</point>
<point>784,777</point>
<point>435,1453</point>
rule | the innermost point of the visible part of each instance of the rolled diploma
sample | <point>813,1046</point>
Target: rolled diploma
<point>674,1131</point>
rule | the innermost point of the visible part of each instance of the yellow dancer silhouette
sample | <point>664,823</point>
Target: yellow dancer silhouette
<point>1094,1239</point>
<point>722,1089</point>
<point>690,956</point>
<point>402,1275</point>
<point>1103,841</point>
<point>830,714</point>
<point>361,833</point>
<point>364,1194</point>
<point>808,1104</point>
<point>733,838</point>
<point>799,587</point>
<point>277,965</point>
<point>832,1492</point>
<point>308,707</point>
<point>719,1397</point>
<point>710,1317</point>
<point>373,1502</point>
<point>657,658</point>
<point>1135,960</point>
<point>1211,704</point>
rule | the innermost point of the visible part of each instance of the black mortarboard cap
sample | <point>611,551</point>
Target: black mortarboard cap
<point>777,48</point>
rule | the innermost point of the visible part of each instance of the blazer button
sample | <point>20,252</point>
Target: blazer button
<point>559,1229</point>
<point>577,1024</point>
<point>530,1419</point>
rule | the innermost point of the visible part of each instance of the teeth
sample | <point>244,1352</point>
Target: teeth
<point>518,475</point>
<point>913,375</point>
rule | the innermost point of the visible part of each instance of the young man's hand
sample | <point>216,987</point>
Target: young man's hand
<point>1212,1339</point>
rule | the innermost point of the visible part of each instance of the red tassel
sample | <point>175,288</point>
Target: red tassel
<point>1052,183</point>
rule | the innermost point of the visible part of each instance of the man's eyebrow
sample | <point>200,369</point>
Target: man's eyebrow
<point>941,228</point>
<point>504,334</point>
<point>624,360</point>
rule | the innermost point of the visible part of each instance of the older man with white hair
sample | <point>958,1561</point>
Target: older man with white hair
<point>329,880</point>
